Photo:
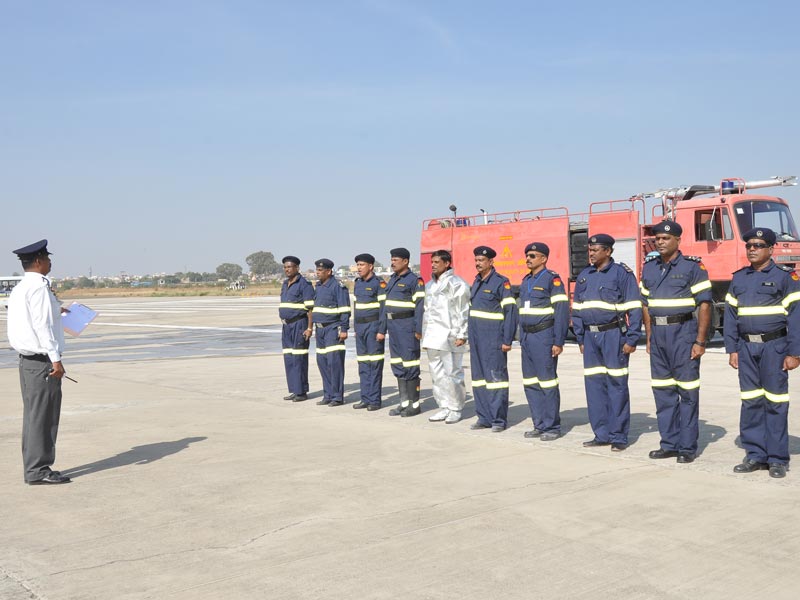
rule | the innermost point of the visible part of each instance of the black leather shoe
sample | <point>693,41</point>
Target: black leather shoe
<point>411,411</point>
<point>549,436</point>
<point>335,402</point>
<point>748,466</point>
<point>595,442</point>
<point>52,478</point>
<point>618,447</point>
<point>661,453</point>
<point>479,425</point>
<point>777,470</point>
<point>300,398</point>
<point>323,402</point>
<point>685,458</point>
<point>372,407</point>
<point>498,428</point>
<point>397,410</point>
<point>360,405</point>
<point>533,433</point>
<point>290,397</point>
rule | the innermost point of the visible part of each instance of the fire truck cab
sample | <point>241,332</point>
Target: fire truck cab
<point>713,220</point>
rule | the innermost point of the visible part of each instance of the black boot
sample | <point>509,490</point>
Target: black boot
<point>401,407</point>
<point>413,399</point>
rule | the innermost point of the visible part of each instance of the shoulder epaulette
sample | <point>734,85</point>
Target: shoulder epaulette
<point>626,267</point>
<point>786,268</point>
<point>553,273</point>
<point>341,284</point>
<point>740,270</point>
<point>696,259</point>
<point>649,258</point>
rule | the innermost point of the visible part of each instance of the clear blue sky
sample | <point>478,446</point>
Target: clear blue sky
<point>170,135</point>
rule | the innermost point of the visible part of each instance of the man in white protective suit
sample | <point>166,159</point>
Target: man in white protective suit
<point>444,336</point>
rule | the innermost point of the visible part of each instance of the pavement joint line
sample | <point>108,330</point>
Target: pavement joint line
<point>186,327</point>
<point>21,583</point>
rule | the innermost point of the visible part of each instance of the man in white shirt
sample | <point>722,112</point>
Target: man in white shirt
<point>35,331</point>
<point>444,336</point>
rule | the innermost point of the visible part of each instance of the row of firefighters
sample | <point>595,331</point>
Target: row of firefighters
<point>448,317</point>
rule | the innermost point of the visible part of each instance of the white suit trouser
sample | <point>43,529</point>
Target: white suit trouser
<point>447,375</point>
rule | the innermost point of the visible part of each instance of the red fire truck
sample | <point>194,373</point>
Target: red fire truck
<point>713,218</point>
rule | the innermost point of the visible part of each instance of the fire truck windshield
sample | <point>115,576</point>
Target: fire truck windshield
<point>763,213</point>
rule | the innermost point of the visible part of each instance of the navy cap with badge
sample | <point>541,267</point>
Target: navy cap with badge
<point>32,250</point>
<point>400,253</point>
<point>291,259</point>
<point>602,239</point>
<point>365,258</point>
<point>668,227</point>
<point>484,251</point>
<point>761,233</point>
<point>538,247</point>
<point>324,263</point>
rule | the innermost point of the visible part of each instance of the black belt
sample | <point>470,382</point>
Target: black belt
<point>36,357</point>
<point>362,320</point>
<point>294,319</point>
<point>672,319</point>
<point>540,327</point>
<point>760,338</point>
<point>405,314</point>
<point>604,327</point>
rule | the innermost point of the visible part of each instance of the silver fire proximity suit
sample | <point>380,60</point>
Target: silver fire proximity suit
<point>444,321</point>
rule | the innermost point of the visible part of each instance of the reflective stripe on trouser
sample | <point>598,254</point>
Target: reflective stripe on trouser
<point>763,424</point>
<point>404,349</point>
<point>675,382</point>
<point>41,412</point>
<point>330,360</point>
<point>540,379</point>
<point>489,366</point>
<point>295,356</point>
<point>607,396</point>
<point>369,353</point>
<point>447,378</point>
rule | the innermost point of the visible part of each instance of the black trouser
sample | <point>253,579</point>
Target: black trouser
<point>41,400</point>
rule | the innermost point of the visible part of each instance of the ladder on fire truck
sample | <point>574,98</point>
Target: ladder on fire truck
<point>732,185</point>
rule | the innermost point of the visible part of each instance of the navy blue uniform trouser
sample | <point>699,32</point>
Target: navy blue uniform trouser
<point>606,380</point>
<point>675,379</point>
<point>540,379</point>
<point>489,366</point>
<point>295,356</point>
<point>403,349</point>
<point>763,423</point>
<point>330,360</point>
<point>369,354</point>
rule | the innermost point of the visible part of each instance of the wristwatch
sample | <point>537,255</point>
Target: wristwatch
<point>699,343</point>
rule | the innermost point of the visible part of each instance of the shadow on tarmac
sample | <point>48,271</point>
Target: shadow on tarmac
<point>138,455</point>
<point>794,444</point>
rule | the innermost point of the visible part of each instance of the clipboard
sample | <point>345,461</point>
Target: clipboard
<point>77,319</point>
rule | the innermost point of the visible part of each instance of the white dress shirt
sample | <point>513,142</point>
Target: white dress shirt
<point>446,312</point>
<point>34,318</point>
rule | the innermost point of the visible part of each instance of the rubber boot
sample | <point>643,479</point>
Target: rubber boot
<point>403,403</point>
<point>413,399</point>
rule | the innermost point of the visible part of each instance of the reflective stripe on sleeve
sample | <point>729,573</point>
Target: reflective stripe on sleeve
<point>699,287</point>
<point>507,301</point>
<point>793,297</point>
<point>643,290</point>
<point>559,298</point>
<point>418,295</point>
<point>731,299</point>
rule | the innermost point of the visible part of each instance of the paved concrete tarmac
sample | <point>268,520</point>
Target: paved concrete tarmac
<point>192,479</point>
